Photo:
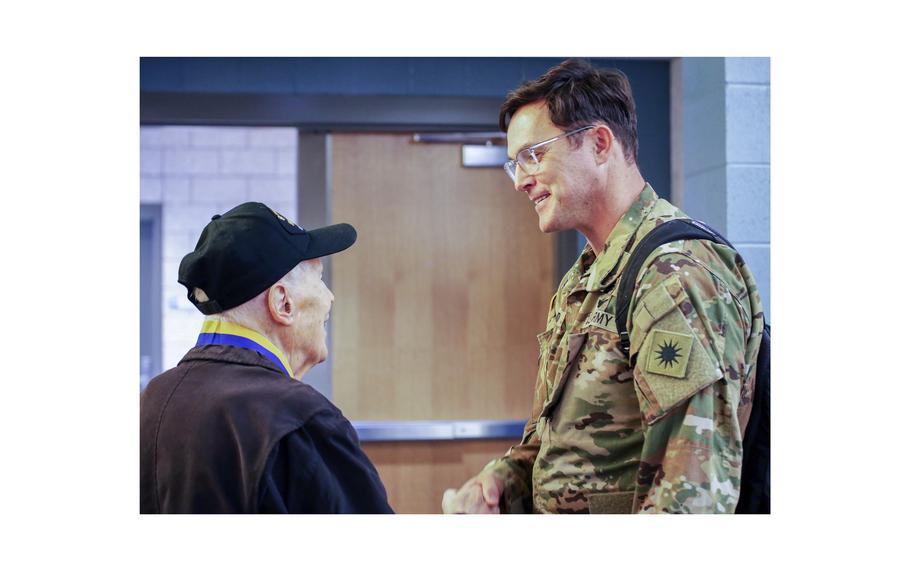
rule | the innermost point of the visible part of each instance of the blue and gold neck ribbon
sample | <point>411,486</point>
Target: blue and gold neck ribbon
<point>215,332</point>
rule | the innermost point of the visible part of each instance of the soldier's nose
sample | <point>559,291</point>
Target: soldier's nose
<point>523,182</point>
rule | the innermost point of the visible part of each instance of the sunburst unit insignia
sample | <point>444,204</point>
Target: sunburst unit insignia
<point>670,353</point>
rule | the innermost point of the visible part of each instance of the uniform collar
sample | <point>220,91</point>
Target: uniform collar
<point>216,332</point>
<point>605,268</point>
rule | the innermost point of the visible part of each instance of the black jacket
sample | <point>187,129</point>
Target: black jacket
<point>226,431</point>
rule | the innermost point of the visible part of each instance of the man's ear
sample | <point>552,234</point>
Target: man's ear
<point>603,143</point>
<point>281,309</point>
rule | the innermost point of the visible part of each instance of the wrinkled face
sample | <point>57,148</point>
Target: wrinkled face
<point>561,190</point>
<point>313,301</point>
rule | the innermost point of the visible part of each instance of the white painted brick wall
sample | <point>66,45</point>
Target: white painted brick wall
<point>188,161</point>
<point>273,138</point>
<point>287,161</point>
<point>748,135</point>
<point>176,188</point>
<point>726,154</point>
<point>150,162</point>
<point>249,161</point>
<point>164,137</point>
<point>150,189</point>
<point>194,173</point>
<point>269,185</point>
<point>219,137</point>
<point>218,189</point>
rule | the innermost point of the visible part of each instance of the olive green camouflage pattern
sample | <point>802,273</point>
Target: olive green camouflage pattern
<point>666,435</point>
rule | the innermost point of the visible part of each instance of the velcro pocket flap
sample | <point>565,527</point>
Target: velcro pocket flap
<point>654,305</point>
<point>672,363</point>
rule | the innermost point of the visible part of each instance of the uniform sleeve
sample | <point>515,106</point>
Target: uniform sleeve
<point>320,468</point>
<point>687,335</point>
<point>516,466</point>
<point>514,469</point>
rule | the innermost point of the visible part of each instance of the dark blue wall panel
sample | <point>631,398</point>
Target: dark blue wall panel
<point>414,76</point>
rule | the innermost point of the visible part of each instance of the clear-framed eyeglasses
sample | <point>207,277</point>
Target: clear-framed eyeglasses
<point>529,158</point>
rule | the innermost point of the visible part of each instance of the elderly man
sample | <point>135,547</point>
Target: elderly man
<point>232,429</point>
<point>659,430</point>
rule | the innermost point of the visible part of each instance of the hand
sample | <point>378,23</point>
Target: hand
<point>479,495</point>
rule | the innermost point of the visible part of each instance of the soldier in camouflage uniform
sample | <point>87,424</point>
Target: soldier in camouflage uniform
<point>663,435</point>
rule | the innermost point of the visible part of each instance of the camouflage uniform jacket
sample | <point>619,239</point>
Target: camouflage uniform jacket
<point>666,434</point>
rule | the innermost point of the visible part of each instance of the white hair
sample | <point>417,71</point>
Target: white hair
<point>250,313</point>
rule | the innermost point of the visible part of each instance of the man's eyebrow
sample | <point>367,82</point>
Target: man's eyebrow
<point>526,146</point>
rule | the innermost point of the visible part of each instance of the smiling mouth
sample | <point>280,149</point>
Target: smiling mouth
<point>541,199</point>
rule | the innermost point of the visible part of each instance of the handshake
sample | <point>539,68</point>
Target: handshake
<point>479,495</point>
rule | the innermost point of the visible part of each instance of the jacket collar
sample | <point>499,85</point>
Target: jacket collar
<point>216,332</point>
<point>605,268</point>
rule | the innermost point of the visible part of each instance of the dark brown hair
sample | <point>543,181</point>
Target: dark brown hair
<point>578,94</point>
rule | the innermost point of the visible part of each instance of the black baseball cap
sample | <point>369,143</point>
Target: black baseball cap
<point>249,248</point>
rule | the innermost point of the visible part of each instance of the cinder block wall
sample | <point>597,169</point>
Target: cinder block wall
<point>726,154</point>
<point>194,173</point>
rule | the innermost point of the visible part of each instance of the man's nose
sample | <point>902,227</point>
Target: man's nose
<point>523,181</point>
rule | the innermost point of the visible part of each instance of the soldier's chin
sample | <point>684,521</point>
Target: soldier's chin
<point>545,224</point>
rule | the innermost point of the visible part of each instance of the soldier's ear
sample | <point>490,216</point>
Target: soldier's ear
<point>281,309</point>
<point>603,143</point>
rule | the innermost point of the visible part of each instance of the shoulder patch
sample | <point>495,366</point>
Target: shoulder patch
<point>669,354</point>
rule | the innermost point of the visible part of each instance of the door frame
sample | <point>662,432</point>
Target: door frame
<point>150,267</point>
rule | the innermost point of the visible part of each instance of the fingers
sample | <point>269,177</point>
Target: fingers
<point>448,501</point>
<point>468,500</point>
<point>491,487</point>
<point>475,504</point>
<point>474,501</point>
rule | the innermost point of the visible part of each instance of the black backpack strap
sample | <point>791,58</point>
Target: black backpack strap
<point>755,487</point>
<point>673,230</point>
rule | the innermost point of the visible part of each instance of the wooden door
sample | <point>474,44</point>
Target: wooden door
<point>437,304</point>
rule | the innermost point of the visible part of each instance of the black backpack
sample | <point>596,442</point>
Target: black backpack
<point>755,491</point>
